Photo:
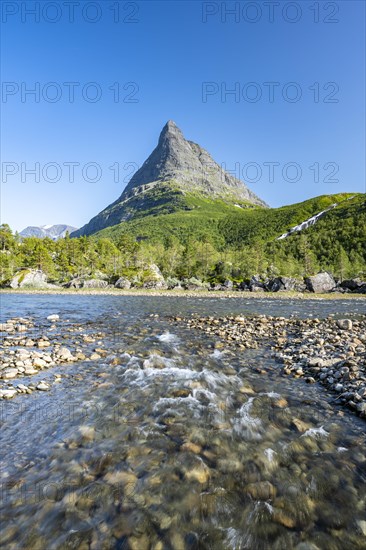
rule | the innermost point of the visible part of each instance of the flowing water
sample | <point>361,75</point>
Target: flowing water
<point>182,445</point>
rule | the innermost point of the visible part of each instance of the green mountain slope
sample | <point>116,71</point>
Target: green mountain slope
<point>242,228</point>
<point>249,236</point>
<point>187,215</point>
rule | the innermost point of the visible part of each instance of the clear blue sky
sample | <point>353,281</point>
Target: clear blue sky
<point>169,52</point>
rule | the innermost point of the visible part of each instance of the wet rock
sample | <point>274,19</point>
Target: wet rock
<point>53,317</point>
<point>263,490</point>
<point>200,473</point>
<point>177,541</point>
<point>9,373</point>
<point>300,426</point>
<point>8,393</point>
<point>42,386</point>
<point>39,363</point>
<point>64,354</point>
<point>139,543</point>
<point>123,478</point>
<point>283,518</point>
<point>29,371</point>
<point>191,447</point>
<point>87,433</point>
<point>307,546</point>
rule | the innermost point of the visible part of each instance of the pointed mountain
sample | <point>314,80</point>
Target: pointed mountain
<point>176,169</point>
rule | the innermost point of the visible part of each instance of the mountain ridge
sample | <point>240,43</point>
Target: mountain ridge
<point>54,232</point>
<point>175,168</point>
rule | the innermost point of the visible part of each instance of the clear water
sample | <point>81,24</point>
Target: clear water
<point>181,445</point>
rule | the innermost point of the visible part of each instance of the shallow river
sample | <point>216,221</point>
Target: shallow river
<point>182,445</point>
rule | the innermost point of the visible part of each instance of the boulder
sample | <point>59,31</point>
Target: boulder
<point>77,282</point>
<point>244,286</point>
<point>322,282</point>
<point>34,278</point>
<point>157,285</point>
<point>195,284</point>
<point>153,278</point>
<point>123,283</point>
<point>280,284</point>
<point>228,285</point>
<point>256,285</point>
<point>95,283</point>
<point>354,285</point>
<point>216,287</point>
<point>155,272</point>
<point>173,282</point>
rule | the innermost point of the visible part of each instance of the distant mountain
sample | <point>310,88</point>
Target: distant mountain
<point>54,232</point>
<point>175,172</point>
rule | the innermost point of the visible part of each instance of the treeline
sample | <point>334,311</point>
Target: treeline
<point>236,257</point>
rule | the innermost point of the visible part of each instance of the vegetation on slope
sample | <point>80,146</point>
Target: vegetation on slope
<point>211,240</point>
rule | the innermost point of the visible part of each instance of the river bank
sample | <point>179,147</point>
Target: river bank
<point>185,293</point>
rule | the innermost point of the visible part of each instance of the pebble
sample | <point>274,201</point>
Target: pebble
<point>344,324</point>
<point>8,394</point>
<point>17,361</point>
<point>263,490</point>
<point>53,317</point>
<point>330,351</point>
<point>42,386</point>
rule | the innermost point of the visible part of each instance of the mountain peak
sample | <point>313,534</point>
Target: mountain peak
<point>170,132</point>
<point>170,125</point>
<point>181,166</point>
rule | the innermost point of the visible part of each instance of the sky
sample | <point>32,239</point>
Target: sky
<point>273,90</point>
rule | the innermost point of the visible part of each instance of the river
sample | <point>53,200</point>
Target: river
<point>180,444</point>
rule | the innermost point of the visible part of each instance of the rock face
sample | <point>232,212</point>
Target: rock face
<point>175,167</point>
<point>322,282</point>
<point>34,278</point>
<point>182,161</point>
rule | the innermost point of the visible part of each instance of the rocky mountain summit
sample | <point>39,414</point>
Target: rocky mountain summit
<point>176,168</point>
<point>191,167</point>
<point>54,232</point>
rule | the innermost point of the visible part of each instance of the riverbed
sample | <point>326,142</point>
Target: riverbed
<point>174,442</point>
